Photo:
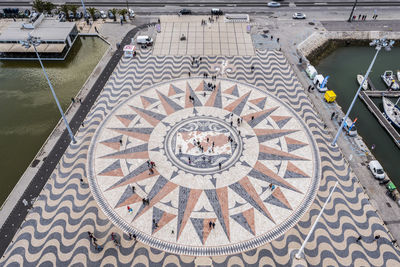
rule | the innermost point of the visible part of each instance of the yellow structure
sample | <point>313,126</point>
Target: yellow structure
<point>330,96</point>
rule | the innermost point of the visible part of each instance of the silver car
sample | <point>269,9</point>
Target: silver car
<point>299,15</point>
<point>274,4</point>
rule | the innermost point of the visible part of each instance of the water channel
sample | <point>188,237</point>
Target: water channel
<point>28,112</point>
<point>342,65</point>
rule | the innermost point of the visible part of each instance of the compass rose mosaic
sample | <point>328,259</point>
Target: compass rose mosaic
<point>197,170</point>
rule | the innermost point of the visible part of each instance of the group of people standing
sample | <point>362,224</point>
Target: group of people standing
<point>364,17</point>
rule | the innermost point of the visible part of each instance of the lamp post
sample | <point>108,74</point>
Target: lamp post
<point>35,41</point>
<point>298,255</point>
<point>351,14</point>
<point>84,10</point>
<point>378,43</point>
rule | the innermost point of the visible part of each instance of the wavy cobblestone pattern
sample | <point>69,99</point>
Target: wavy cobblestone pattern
<point>55,230</point>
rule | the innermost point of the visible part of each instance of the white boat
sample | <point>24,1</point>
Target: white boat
<point>398,75</point>
<point>360,78</point>
<point>388,79</point>
<point>392,111</point>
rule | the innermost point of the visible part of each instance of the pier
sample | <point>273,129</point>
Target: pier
<point>366,97</point>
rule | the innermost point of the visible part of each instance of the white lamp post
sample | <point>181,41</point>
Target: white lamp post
<point>35,41</point>
<point>298,254</point>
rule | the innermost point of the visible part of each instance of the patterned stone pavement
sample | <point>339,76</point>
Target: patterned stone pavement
<point>233,156</point>
<point>55,230</point>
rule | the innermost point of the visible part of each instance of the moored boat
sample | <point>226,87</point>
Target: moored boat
<point>398,75</point>
<point>360,78</point>
<point>388,79</point>
<point>392,111</point>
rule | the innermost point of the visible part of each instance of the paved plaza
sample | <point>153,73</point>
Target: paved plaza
<point>212,38</point>
<point>274,176</point>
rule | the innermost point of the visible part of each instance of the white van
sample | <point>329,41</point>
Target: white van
<point>144,39</point>
<point>311,72</point>
<point>376,169</point>
<point>318,80</point>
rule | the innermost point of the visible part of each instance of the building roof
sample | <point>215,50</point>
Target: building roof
<point>47,30</point>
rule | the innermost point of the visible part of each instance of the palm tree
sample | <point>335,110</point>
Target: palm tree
<point>123,12</point>
<point>38,5</point>
<point>92,12</point>
<point>73,8</point>
<point>64,8</point>
<point>48,7</point>
<point>114,11</point>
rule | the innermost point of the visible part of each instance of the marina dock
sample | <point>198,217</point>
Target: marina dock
<point>371,85</point>
<point>380,116</point>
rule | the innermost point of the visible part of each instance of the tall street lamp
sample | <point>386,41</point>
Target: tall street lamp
<point>35,41</point>
<point>378,43</point>
<point>84,9</point>
<point>299,254</point>
<point>352,11</point>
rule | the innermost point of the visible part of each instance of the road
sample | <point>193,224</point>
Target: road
<point>209,3</point>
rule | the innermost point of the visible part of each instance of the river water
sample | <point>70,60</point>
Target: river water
<point>28,112</point>
<point>342,66</point>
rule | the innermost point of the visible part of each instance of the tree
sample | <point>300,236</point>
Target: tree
<point>38,5</point>
<point>48,7</point>
<point>92,12</point>
<point>114,11</point>
<point>123,12</point>
<point>65,9</point>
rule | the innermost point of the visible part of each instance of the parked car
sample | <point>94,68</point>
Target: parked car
<point>216,11</point>
<point>376,169</point>
<point>11,12</point>
<point>348,128</point>
<point>274,4</point>
<point>185,12</point>
<point>27,13</point>
<point>71,15</point>
<point>103,14</point>
<point>131,13</point>
<point>97,15</point>
<point>78,15</point>
<point>318,80</point>
<point>61,17</point>
<point>144,39</point>
<point>110,15</point>
<point>299,15</point>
